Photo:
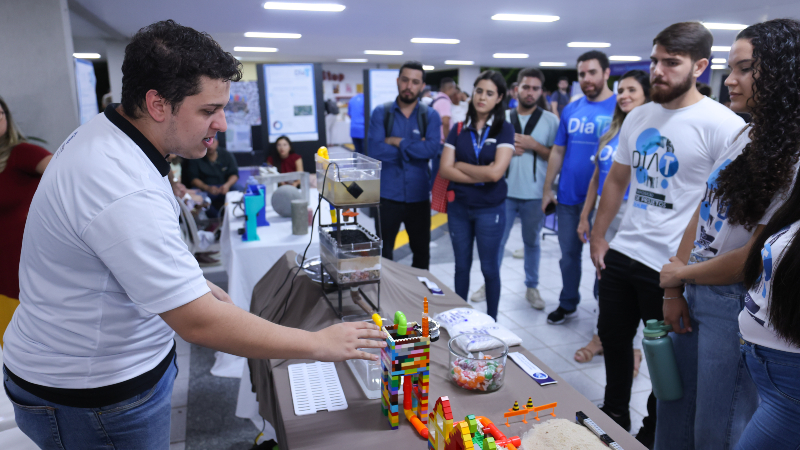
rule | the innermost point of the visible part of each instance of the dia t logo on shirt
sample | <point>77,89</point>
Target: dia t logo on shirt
<point>582,126</point>
<point>652,170</point>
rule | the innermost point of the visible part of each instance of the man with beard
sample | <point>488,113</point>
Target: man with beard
<point>405,135</point>
<point>666,151</point>
<point>582,123</point>
<point>535,129</point>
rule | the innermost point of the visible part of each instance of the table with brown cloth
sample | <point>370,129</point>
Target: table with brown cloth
<point>362,425</point>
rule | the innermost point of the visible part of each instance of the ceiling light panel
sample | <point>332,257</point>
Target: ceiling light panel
<point>257,34</point>
<point>287,6</point>
<point>434,41</point>
<point>453,62</point>
<point>720,48</point>
<point>718,67</point>
<point>352,60</point>
<point>510,55</point>
<point>255,49</point>
<point>624,58</point>
<point>428,67</point>
<point>383,52</point>
<point>589,44</point>
<point>718,61</point>
<point>525,18</point>
<point>553,64</point>
<point>724,26</point>
<point>86,55</point>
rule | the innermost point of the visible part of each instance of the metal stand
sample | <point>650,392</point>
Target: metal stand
<point>338,234</point>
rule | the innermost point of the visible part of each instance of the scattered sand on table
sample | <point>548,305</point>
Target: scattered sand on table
<point>561,434</point>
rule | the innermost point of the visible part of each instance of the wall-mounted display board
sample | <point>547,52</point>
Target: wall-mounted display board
<point>380,86</point>
<point>87,86</point>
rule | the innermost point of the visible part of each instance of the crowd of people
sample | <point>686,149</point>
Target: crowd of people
<point>689,210</point>
<point>690,213</point>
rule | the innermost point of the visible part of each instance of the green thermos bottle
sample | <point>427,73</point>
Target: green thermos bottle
<point>661,363</point>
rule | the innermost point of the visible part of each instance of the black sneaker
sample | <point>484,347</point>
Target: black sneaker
<point>623,420</point>
<point>646,436</point>
<point>560,316</point>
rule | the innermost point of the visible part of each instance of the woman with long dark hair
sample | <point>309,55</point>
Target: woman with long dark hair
<point>285,159</point>
<point>633,91</point>
<point>475,158</point>
<point>21,167</point>
<point>723,246</point>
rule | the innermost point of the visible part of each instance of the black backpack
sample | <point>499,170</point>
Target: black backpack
<point>532,121</point>
<point>422,119</point>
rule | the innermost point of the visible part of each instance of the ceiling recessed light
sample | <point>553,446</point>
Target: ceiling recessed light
<point>434,41</point>
<point>383,52</point>
<point>287,6</point>
<point>624,58</point>
<point>525,17</point>
<point>511,55</point>
<point>453,62</point>
<point>428,67</point>
<point>718,67</point>
<point>553,64</point>
<point>724,26</point>
<point>589,44</point>
<point>255,49</point>
<point>86,55</point>
<point>257,34</point>
<point>718,61</point>
<point>352,60</point>
<point>720,48</point>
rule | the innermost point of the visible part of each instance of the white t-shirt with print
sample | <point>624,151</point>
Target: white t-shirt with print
<point>754,319</point>
<point>102,257</point>
<point>715,236</point>
<point>671,153</point>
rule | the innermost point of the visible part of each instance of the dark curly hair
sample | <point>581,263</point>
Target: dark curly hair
<point>170,59</point>
<point>749,183</point>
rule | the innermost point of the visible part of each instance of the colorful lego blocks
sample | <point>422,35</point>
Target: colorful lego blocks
<point>405,355</point>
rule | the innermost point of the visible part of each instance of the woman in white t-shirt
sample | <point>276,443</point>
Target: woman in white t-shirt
<point>748,184</point>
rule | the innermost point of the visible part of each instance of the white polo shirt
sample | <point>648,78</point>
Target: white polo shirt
<point>102,256</point>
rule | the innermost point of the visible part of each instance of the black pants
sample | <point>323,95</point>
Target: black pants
<point>417,219</point>
<point>629,292</point>
<point>358,143</point>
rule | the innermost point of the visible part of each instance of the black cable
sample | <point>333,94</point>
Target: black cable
<point>303,259</point>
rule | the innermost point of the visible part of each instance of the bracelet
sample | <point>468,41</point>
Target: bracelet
<point>672,298</point>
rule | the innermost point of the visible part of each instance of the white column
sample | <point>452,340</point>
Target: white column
<point>37,70</point>
<point>466,78</point>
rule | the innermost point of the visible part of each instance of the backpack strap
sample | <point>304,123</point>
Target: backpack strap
<point>388,118</point>
<point>422,120</point>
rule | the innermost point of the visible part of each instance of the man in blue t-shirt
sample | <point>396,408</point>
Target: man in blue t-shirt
<point>355,109</point>
<point>579,131</point>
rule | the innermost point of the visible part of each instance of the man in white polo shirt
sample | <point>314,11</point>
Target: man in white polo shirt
<point>105,278</point>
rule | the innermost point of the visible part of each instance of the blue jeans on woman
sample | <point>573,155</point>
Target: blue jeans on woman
<point>138,423</point>
<point>718,396</point>
<point>571,251</point>
<point>486,226</point>
<point>774,424</point>
<point>530,212</point>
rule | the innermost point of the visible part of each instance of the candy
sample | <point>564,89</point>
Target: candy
<point>477,374</point>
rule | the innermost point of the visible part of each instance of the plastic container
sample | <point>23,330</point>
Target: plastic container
<point>482,371</point>
<point>350,263</point>
<point>367,373</point>
<point>660,355</point>
<point>352,179</point>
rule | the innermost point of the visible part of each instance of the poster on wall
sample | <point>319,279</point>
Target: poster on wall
<point>382,86</point>
<point>87,86</point>
<point>241,113</point>
<point>291,101</point>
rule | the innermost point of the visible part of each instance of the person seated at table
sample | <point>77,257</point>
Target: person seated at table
<point>285,159</point>
<point>216,173</point>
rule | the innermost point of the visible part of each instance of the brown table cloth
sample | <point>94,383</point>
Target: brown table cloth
<point>362,425</point>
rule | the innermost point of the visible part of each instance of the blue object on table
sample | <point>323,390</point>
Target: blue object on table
<point>254,211</point>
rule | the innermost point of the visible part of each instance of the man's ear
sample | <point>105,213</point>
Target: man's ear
<point>700,67</point>
<point>157,107</point>
<point>607,74</point>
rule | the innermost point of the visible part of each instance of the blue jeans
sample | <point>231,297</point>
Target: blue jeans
<point>530,212</point>
<point>484,225</point>
<point>141,422</point>
<point>774,424</point>
<point>718,396</point>
<point>571,251</point>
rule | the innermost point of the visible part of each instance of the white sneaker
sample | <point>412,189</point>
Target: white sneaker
<point>519,253</point>
<point>479,295</point>
<point>533,297</point>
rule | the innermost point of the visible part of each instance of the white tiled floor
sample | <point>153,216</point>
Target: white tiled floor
<point>555,345</point>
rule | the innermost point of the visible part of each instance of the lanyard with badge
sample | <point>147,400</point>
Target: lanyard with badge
<point>478,146</point>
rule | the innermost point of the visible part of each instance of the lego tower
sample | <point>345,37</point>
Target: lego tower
<point>407,353</point>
